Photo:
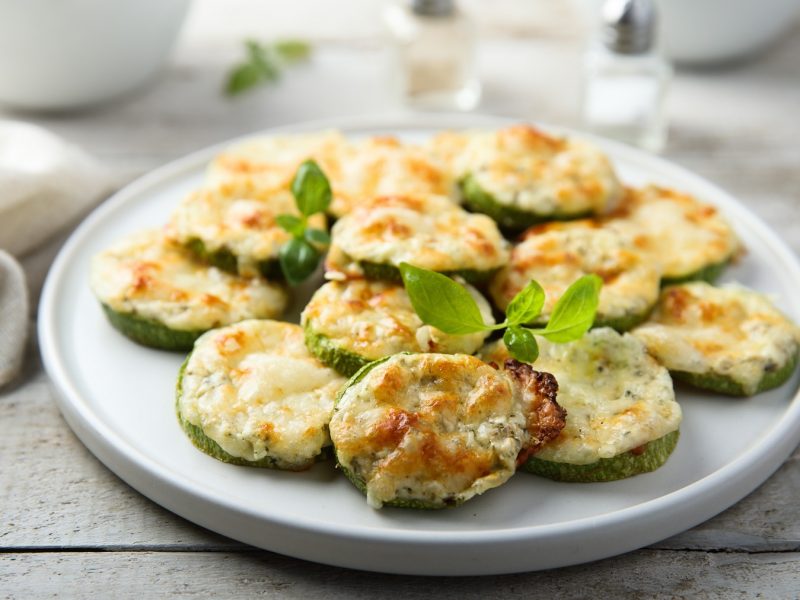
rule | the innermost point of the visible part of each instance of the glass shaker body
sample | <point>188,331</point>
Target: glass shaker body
<point>624,96</point>
<point>433,62</point>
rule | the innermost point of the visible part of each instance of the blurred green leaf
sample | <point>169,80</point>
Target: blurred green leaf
<point>299,260</point>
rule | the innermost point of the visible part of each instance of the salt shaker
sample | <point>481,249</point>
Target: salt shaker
<point>433,48</point>
<point>625,78</point>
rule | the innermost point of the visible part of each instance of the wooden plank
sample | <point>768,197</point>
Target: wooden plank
<point>647,573</point>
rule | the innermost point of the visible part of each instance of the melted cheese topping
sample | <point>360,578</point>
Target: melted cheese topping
<point>255,390</point>
<point>557,254</point>
<point>616,396</point>
<point>731,332</point>
<point>379,166</point>
<point>239,217</point>
<point>675,230</point>
<point>426,231</point>
<point>430,427</point>
<point>528,169</point>
<point>375,319</point>
<point>358,170</point>
<point>269,163</point>
<point>147,276</point>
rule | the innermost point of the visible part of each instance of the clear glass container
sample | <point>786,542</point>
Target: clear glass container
<point>624,96</point>
<point>433,55</point>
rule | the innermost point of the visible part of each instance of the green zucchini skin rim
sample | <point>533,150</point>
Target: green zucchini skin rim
<point>342,361</point>
<point>359,482</point>
<point>722,384</point>
<point>227,261</point>
<point>509,218</point>
<point>619,324</point>
<point>624,323</point>
<point>622,466</point>
<point>208,446</point>
<point>387,272</point>
<point>710,273</point>
<point>151,333</point>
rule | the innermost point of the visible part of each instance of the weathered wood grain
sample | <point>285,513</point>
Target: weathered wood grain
<point>135,575</point>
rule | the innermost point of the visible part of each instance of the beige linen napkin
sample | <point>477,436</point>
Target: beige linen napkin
<point>45,185</point>
<point>14,308</point>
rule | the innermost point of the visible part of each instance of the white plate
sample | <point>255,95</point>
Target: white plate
<point>118,398</point>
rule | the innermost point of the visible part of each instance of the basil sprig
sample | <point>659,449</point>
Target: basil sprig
<point>300,256</point>
<point>448,306</point>
<point>263,64</point>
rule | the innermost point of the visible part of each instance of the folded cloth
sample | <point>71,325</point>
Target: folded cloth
<point>14,313</point>
<point>45,183</point>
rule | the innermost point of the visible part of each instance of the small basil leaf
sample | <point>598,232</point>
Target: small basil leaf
<point>521,343</point>
<point>291,224</point>
<point>299,260</point>
<point>311,189</point>
<point>242,78</point>
<point>441,302</point>
<point>574,312</point>
<point>317,236</point>
<point>263,58</point>
<point>291,51</point>
<point>526,305</point>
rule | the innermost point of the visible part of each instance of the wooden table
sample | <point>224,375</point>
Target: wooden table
<point>69,527</point>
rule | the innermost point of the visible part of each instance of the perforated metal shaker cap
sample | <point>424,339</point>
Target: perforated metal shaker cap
<point>629,25</point>
<point>433,8</point>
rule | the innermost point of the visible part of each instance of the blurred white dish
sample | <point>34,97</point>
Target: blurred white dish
<point>63,54</point>
<point>711,31</point>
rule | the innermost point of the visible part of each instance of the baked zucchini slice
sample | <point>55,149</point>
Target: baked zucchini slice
<point>270,162</point>
<point>622,417</point>
<point>730,340</point>
<point>383,272</point>
<point>434,430</point>
<point>349,324</point>
<point>251,394</point>
<point>383,165</point>
<point>689,239</point>
<point>427,231</point>
<point>153,292</point>
<point>224,259</point>
<point>233,226</point>
<point>521,176</point>
<point>508,217</point>
<point>150,332</point>
<point>556,254</point>
<point>644,459</point>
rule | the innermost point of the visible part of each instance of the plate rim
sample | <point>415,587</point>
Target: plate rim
<point>717,491</point>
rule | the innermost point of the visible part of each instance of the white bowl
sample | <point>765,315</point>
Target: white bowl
<point>713,31</point>
<point>63,54</point>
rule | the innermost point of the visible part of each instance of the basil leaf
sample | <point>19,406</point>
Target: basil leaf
<point>521,343</point>
<point>317,236</point>
<point>291,51</point>
<point>526,305</point>
<point>263,59</point>
<point>292,224</point>
<point>574,312</point>
<point>299,260</point>
<point>243,77</point>
<point>311,189</point>
<point>441,302</point>
<point>264,63</point>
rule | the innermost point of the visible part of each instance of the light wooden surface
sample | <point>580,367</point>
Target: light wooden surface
<point>70,528</point>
